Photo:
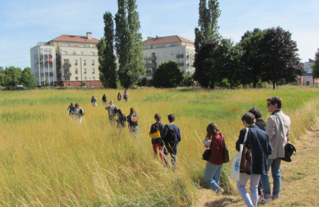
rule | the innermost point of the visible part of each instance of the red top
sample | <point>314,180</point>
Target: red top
<point>217,148</point>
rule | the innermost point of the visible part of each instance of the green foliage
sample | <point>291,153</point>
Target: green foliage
<point>27,79</point>
<point>167,75</point>
<point>315,66</point>
<point>83,83</point>
<point>187,80</point>
<point>107,59</point>
<point>128,43</point>
<point>13,75</point>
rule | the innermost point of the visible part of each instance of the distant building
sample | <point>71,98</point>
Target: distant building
<point>162,49</point>
<point>66,61</point>
<point>307,78</point>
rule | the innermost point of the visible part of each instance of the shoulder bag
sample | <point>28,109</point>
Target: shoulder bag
<point>246,158</point>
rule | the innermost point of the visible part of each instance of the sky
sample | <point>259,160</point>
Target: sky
<point>25,23</point>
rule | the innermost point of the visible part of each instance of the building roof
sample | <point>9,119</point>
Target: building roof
<point>162,40</point>
<point>75,38</point>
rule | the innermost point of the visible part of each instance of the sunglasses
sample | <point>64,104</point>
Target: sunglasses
<point>268,104</point>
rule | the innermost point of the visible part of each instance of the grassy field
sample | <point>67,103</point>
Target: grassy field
<point>48,159</point>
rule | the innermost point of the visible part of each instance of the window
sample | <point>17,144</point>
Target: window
<point>154,47</point>
<point>159,54</point>
<point>172,53</point>
<point>84,62</point>
<point>93,78</point>
<point>66,44</point>
<point>181,69</point>
<point>92,62</point>
<point>82,45</point>
<point>85,78</point>
<point>165,54</point>
<point>81,53</point>
<point>168,45</point>
<point>64,52</point>
<point>91,45</point>
<point>93,70</point>
<point>180,60</point>
<point>180,52</point>
<point>147,55</point>
<point>75,62</point>
<point>76,78</point>
<point>149,47</point>
<point>84,70</point>
<point>76,71</point>
<point>74,53</point>
<point>92,53</point>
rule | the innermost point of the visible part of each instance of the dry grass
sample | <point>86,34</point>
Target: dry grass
<point>47,159</point>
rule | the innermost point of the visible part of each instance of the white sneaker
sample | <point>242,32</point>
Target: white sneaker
<point>262,199</point>
<point>220,191</point>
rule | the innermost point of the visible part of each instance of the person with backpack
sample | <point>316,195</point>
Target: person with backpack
<point>119,97</point>
<point>94,101</point>
<point>125,96</point>
<point>258,142</point>
<point>104,99</point>
<point>121,119</point>
<point>132,120</point>
<point>215,162</point>
<point>111,108</point>
<point>78,112</point>
<point>155,133</point>
<point>170,137</point>
<point>71,109</point>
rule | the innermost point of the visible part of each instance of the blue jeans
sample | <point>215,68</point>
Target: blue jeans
<point>275,171</point>
<point>212,175</point>
<point>251,200</point>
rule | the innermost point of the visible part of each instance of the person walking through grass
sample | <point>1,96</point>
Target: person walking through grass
<point>94,101</point>
<point>155,133</point>
<point>111,108</point>
<point>132,120</point>
<point>119,97</point>
<point>121,119</point>
<point>278,139</point>
<point>258,142</point>
<point>262,125</point>
<point>171,137</point>
<point>71,109</point>
<point>78,112</point>
<point>215,162</point>
<point>125,96</point>
<point>104,99</point>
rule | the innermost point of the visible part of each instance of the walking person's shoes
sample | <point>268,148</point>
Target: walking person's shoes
<point>220,191</point>
<point>262,199</point>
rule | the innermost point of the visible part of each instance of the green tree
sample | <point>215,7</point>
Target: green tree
<point>252,56</point>
<point>83,83</point>
<point>107,59</point>
<point>205,74</point>
<point>2,76</point>
<point>27,79</point>
<point>315,66</point>
<point>280,60</point>
<point>128,41</point>
<point>168,75</point>
<point>13,75</point>
<point>207,22</point>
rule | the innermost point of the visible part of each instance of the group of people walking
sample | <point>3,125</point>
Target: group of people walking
<point>266,140</point>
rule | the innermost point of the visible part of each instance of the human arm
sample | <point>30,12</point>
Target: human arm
<point>215,147</point>
<point>271,127</point>
<point>240,138</point>
<point>269,146</point>
<point>178,136</point>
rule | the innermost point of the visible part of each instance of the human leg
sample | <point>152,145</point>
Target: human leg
<point>155,150</point>
<point>276,174</point>
<point>241,184</point>
<point>212,175</point>
<point>173,158</point>
<point>254,180</point>
<point>265,182</point>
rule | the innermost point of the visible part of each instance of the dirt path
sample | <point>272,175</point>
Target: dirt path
<point>300,186</point>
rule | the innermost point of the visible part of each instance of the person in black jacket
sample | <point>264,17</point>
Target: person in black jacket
<point>262,125</point>
<point>71,109</point>
<point>258,142</point>
<point>121,119</point>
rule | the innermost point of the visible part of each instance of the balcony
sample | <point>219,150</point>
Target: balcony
<point>180,56</point>
<point>59,74</point>
<point>67,74</point>
<point>149,73</point>
<point>67,65</point>
<point>150,58</point>
<point>46,74</point>
<point>180,64</point>
<point>150,65</point>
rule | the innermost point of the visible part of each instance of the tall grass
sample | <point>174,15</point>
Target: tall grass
<point>46,158</point>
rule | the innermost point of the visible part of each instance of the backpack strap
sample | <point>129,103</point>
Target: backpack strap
<point>282,128</point>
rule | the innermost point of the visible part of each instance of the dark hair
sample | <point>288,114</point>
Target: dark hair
<point>157,117</point>
<point>249,118</point>
<point>275,100</point>
<point>211,130</point>
<point>76,104</point>
<point>257,113</point>
<point>119,111</point>
<point>171,118</point>
<point>132,110</point>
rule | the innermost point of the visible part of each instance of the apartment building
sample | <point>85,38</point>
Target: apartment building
<point>66,61</point>
<point>162,49</point>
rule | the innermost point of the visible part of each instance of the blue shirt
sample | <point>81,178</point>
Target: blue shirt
<point>176,130</point>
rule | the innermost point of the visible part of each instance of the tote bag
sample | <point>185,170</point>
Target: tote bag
<point>235,170</point>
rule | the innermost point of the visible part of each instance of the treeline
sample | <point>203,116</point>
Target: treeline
<point>261,56</point>
<point>315,66</point>
<point>11,76</point>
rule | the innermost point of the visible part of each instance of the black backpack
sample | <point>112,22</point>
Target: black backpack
<point>170,140</point>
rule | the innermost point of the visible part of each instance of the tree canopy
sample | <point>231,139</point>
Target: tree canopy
<point>315,66</point>
<point>168,75</point>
